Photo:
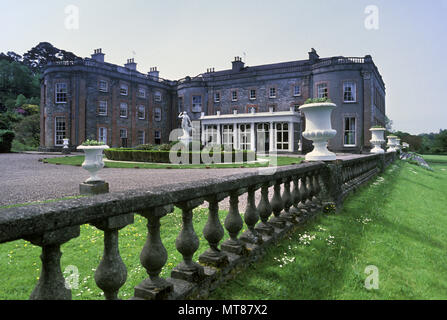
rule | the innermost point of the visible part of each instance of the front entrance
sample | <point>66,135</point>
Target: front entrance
<point>263,137</point>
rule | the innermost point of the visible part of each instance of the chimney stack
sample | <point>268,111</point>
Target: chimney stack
<point>313,55</point>
<point>131,64</point>
<point>154,74</point>
<point>238,65</point>
<point>98,55</point>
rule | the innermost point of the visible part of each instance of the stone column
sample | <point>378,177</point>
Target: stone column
<point>219,134</point>
<point>272,137</point>
<point>252,137</point>
<point>291,137</point>
<point>203,135</point>
<point>235,136</point>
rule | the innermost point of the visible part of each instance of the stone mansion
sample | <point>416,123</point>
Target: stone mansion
<point>92,99</point>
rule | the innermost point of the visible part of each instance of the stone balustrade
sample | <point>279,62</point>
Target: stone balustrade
<point>300,191</point>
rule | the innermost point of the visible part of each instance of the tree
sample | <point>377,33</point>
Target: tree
<point>36,58</point>
<point>440,142</point>
<point>28,131</point>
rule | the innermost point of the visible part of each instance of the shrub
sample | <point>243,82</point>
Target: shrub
<point>6,137</point>
<point>89,143</point>
<point>317,100</point>
<point>163,156</point>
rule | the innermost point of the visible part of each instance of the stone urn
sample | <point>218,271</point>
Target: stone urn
<point>93,161</point>
<point>377,139</point>
<point>392,144</point>
<point>319,130</point>
<point>65,148</point>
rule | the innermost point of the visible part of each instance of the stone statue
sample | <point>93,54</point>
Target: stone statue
<point>187,128</point>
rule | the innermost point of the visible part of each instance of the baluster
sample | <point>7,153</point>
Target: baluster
<point>213,233</point>
<point>265,210</point>
<point>111,273</point>
<point>277,206</point>
<point>233,224</point>
<point>251,217</point>
<point>51,285</point>
<point>296,198</point>
<point>315,198</point>
<point>287,200</point>
<point>153,257</point>
<point>302,207</point>
<point>187,244</point>
<point>309,204</point>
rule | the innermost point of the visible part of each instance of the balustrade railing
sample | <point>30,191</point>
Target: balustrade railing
<point>304,191</point>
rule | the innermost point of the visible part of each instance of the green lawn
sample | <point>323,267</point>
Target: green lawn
<point>77,161</point>
<point>397,223</point>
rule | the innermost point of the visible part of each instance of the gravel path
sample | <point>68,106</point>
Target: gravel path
<point>24,179</point>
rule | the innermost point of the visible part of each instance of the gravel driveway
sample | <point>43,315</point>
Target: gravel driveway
<point>24,179</point>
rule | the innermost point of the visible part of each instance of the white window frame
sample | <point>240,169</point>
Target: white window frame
<point>59,134</point>
<point>141,139</point>
<point>196,106</point>
<point>347,131</point>
<point>272,92</point>
<point>141,107</point>
<point>101,107</point>
<point>244,136</point>
<point>142,93</point>
<point>234,95</point>
<point>320,87</point>
<point>124,90</point>
<point>123,136</point>
<point>102,134</point>
<point>217,97</point>
<point>352,86</point>
<point>228,135</point>
<point>157,114</point>
<point>122,108</point>
<point>252,96</point>
<point>103,88</point>
<point>211,134</point>
<point>282,136</point>
<point>61,93</point>
<point>157,136</point>
<point>295,94</point>
<point>157,96</point>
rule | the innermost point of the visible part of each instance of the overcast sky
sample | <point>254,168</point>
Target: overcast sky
<point>185,37</point>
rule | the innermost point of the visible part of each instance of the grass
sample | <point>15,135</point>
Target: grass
<point>78,160</point>
<point>397,224</point>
